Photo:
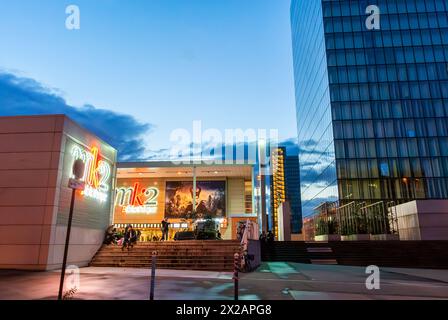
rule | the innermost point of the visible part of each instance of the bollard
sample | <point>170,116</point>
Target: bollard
<point>153,275</point>
<point>236,268</point>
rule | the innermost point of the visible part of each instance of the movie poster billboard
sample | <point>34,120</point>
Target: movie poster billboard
<point>210,199</point>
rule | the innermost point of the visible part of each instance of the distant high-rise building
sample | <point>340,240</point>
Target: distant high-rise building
<point>285,188</point>
<point>371,82</point>
<point>278,187</point>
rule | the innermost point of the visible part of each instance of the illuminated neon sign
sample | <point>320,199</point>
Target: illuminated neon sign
<point>96,175</point>
<point>137,200</point>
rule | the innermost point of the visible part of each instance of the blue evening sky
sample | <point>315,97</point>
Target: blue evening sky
<point>164,62</point>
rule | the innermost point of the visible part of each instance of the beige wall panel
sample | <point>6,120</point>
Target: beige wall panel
<point>21,215</point>
<point>22,197</point>
<point>17,255</point>
<point>235,192</point>
<point>20,235</point>
<point>25,161</point>
<point>25,178</point>
<point>27,142</point>
<point>27,124</point>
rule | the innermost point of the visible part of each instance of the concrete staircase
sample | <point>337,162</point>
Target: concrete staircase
<point>181,255</point>
<point>406,254</point>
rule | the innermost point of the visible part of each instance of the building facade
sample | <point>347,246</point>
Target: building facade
<point>37,154</point>
<point>278,187</point>
<point>285,188</point>
<point>292,180</point>
<point>372,100</point>
<point>313,106</point>
<point>148,192</point>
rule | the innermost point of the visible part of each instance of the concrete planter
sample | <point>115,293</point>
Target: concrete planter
<point>356,237</point>
<point>384,237</point>
<point>327,237</point>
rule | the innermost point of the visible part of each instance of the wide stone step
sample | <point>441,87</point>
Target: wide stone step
<point>222,250</point>
<point>165,263</point>
<point>192,266</point>
<point>148,249</point>
<point>218,268</point>
<point>186,243</point>
<point>192,258</point>
<point>194,243</point>
<point>182,255</point>
<point>162,254</point>
<point>176,248</point>
<point>142,257</point>
<point>167,254</point>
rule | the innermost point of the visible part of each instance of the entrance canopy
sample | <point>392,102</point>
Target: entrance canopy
<point>167,169</point>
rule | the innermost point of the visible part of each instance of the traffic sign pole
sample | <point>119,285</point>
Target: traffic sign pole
<point>67,242</point>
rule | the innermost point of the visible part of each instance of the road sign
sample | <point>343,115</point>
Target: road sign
<point>78,169</point>
<point>76,184</point>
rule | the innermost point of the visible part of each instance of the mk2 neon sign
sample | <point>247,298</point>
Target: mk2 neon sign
<point>97,173</point>
<point>137,200</point>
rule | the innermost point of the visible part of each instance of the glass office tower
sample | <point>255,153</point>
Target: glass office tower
<point>315,129</point>
<point>372,100</point>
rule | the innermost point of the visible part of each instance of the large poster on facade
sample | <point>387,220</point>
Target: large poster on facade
<point>210,199</point>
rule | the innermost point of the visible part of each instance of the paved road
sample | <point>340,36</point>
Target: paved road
<point>272,281</point>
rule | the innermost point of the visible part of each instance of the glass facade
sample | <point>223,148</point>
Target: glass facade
<point>388,92</point>
<point>314,119</point>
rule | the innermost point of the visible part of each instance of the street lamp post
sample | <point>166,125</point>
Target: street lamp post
<point>74,184</point>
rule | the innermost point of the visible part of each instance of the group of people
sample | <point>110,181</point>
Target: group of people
<point>267,238</point>
<point>130,236</point>
<point>126,240</point>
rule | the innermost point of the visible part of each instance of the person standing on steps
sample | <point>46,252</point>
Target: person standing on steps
<point>165,229</point>
<point>263,237</point>
<point>130,237</point>
<point>270,238</point>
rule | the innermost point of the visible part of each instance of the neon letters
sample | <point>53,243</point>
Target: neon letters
<point>96,175</point>
<point>137,200</point>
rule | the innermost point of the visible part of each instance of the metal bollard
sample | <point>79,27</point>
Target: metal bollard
<point>236,268</point>
<point>153,275</point>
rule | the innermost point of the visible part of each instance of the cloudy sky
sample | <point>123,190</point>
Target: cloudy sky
<point>139,70</point>
<point>144,68</point>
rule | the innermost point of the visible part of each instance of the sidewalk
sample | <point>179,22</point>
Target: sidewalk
<point>272,281</point>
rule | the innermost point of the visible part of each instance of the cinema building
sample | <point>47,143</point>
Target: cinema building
<point>36,161</point>
<point>37,154</point>
<point>148,192</point>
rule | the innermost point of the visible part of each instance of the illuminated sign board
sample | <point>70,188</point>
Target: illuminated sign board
<point>137,200</point>
<point>96,175</point>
